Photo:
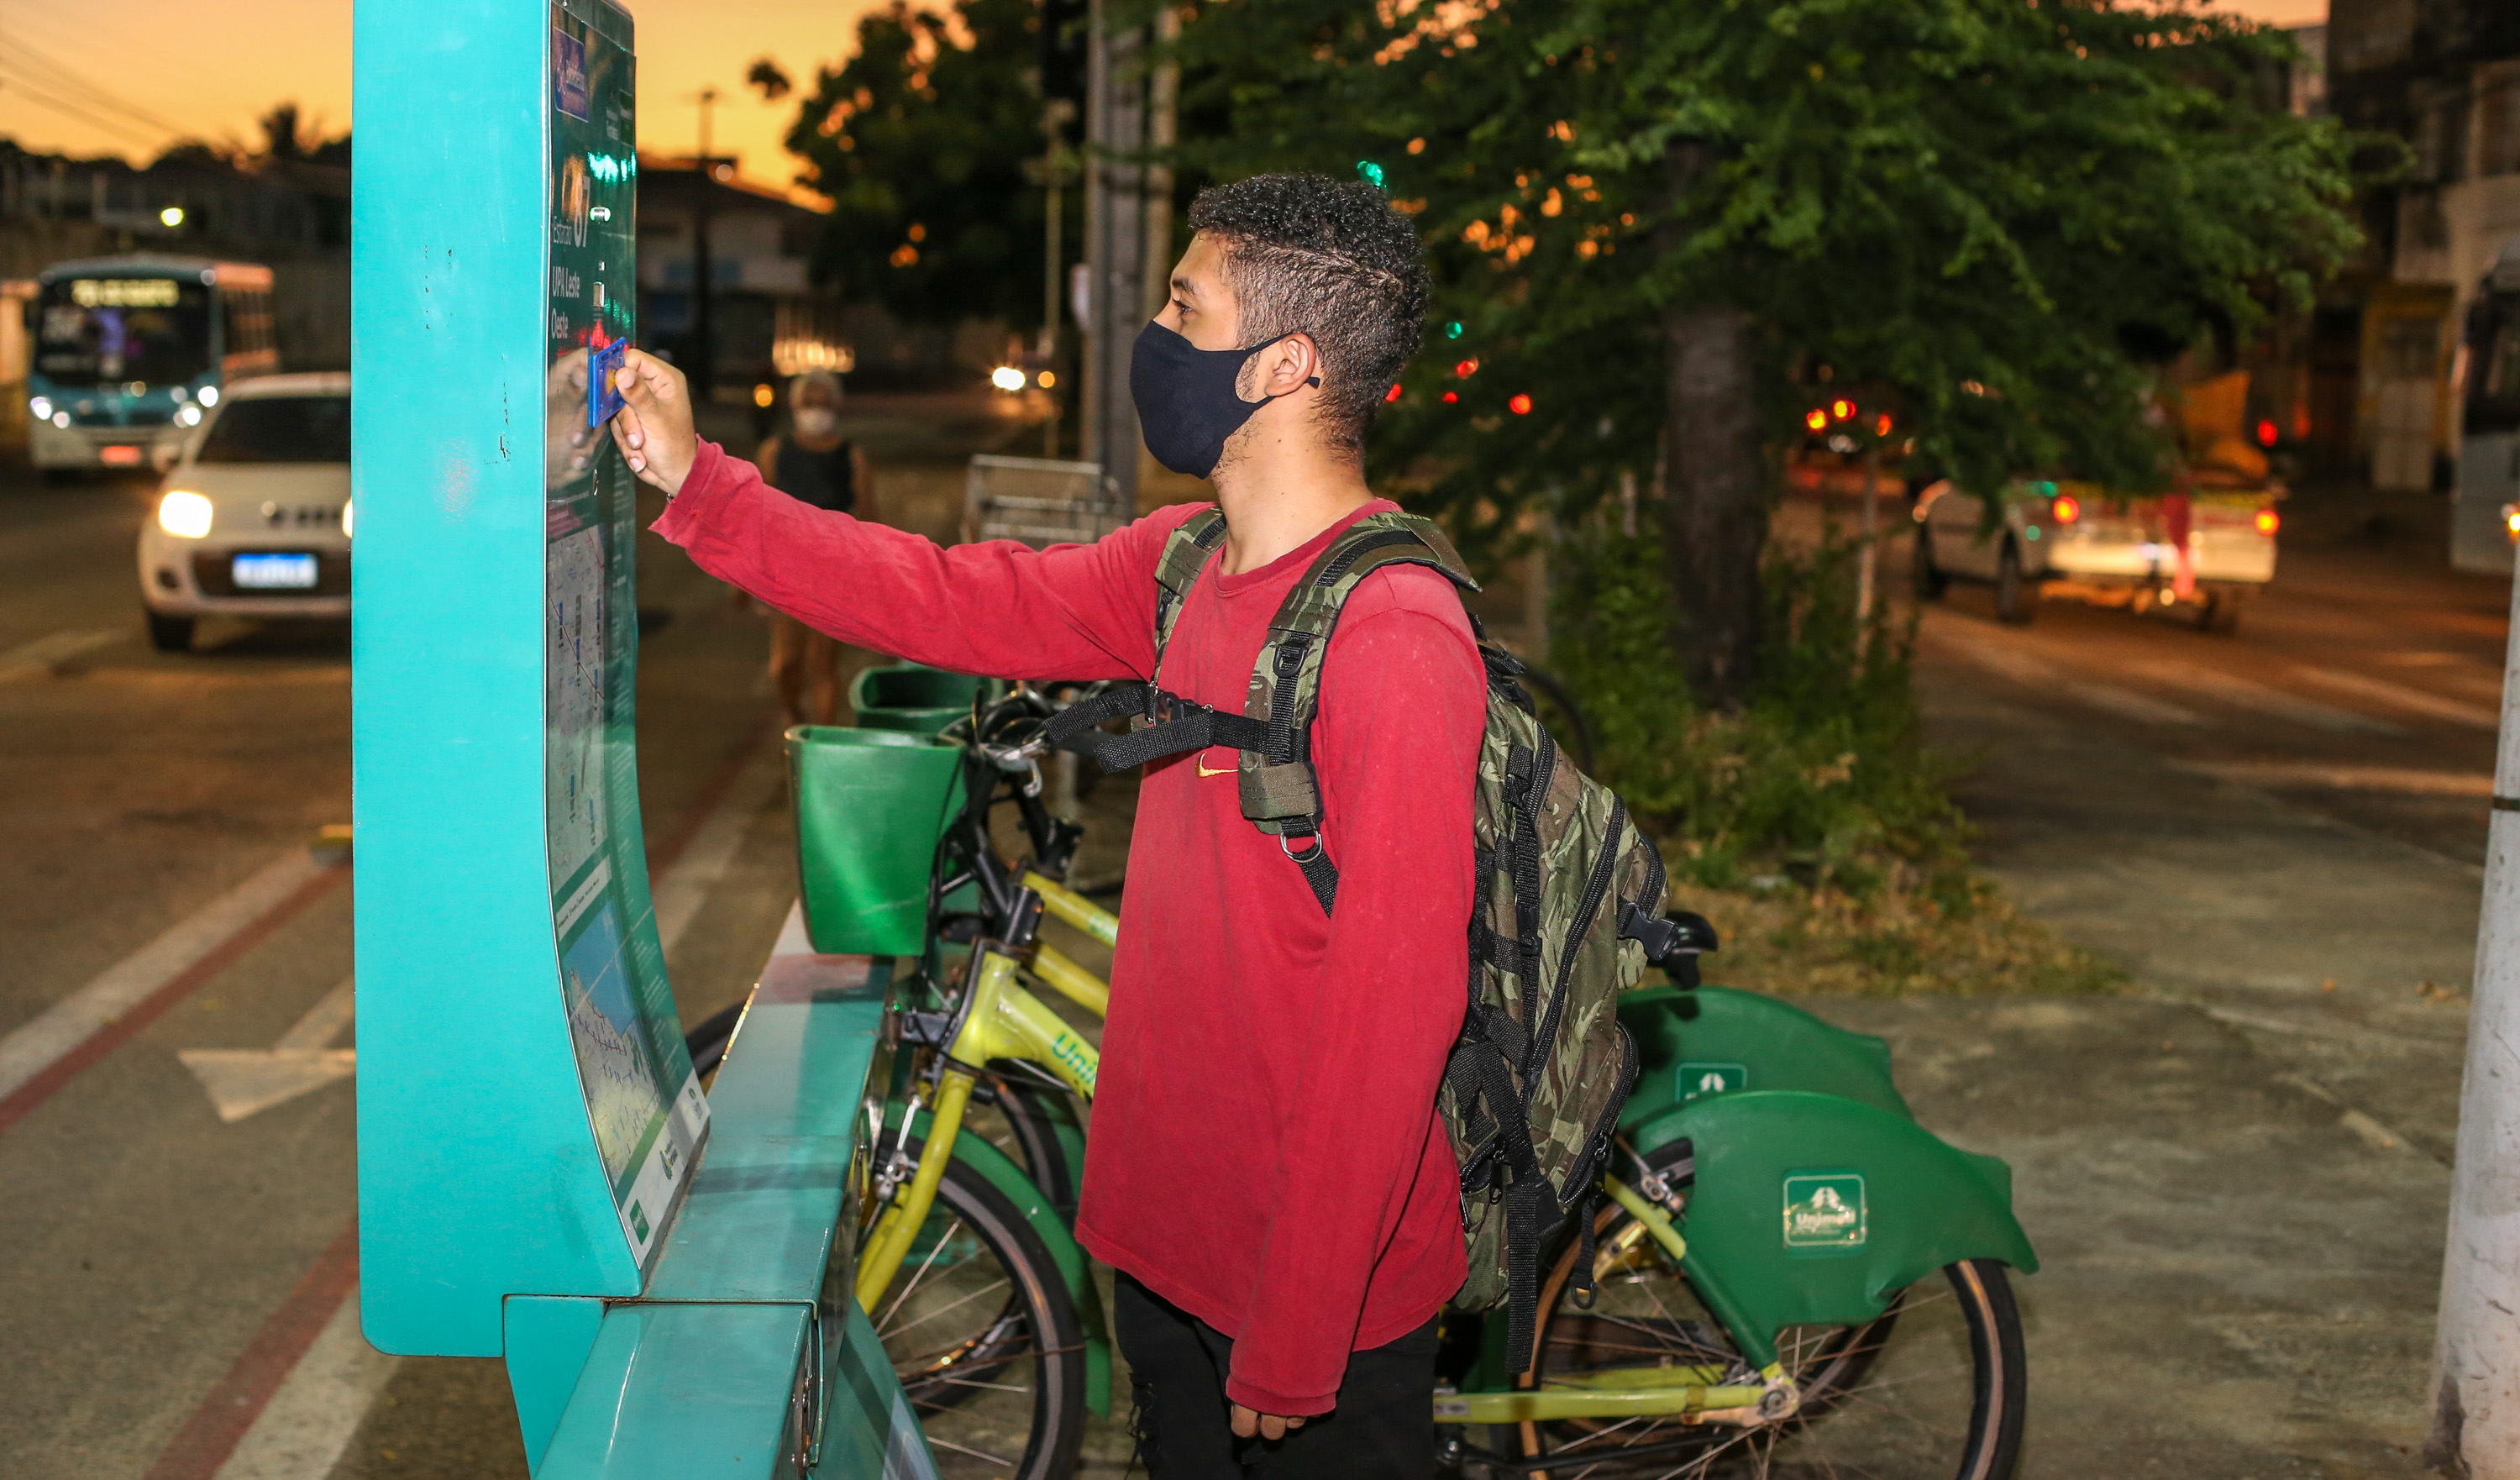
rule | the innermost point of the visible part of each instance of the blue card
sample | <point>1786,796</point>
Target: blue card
<point>602,394</point>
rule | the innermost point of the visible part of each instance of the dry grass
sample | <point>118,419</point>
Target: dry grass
<point>1895,942</point>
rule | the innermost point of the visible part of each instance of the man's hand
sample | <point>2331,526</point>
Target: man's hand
<point>1250,1423</point>
<point>654,428</point>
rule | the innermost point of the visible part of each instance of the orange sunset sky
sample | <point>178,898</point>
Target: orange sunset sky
<point>130,78</point>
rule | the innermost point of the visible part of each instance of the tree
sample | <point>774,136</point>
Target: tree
<point>1650,219</point>
<point>920,142</point>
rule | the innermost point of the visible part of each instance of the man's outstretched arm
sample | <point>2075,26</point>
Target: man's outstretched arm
<point>998,608</point>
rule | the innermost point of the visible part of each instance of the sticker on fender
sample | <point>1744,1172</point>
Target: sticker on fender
<point>1825,1210</point>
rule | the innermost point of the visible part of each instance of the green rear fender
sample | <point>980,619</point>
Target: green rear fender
<point>1007,1178</point>
<point>1716,1041</point>
<point>1808,1209</point>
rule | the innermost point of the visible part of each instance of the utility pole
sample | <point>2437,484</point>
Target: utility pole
<point>702,370</point>
<point>1867,559</point>
<point>2476,1413</point>
<point>1115,244</point>
<point>1055,165</point>
<point>1163,99</point>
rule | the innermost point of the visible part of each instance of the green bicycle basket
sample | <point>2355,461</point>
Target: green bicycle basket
<point>913,697</point>
<point>871,806</point>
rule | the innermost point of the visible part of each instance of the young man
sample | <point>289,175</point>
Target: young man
<point>813,464</point>
<point>1266,1169</point>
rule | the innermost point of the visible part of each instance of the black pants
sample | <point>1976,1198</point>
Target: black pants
<point>1383,1428</point>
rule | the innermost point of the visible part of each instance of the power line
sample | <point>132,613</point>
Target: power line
<point>69,79</point>
<point>41,100</point>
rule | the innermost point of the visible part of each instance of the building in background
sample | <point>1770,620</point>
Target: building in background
<point>292,214</point>
<point>2443,75</point>
<point>767,321</point>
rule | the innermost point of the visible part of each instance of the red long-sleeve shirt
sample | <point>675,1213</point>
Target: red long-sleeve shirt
<point>1266,1153</point>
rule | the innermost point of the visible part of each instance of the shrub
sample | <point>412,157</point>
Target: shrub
<point>1813,824</point>
<point>1821,779</point>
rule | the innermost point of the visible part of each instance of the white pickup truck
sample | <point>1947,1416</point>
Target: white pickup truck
<point>2079,540</point>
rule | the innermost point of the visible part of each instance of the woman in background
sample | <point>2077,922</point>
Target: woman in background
<point>815,465</point>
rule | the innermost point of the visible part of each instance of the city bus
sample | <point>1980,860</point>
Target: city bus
<point>2485,517</point>
<point>126,353</point>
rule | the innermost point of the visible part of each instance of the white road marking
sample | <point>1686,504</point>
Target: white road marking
<point>2028,669</point>
<point>2399,696</point>
<point>243,1082</point>
<point>310,1420</point>
<point>35,659</point>
<point>2400,779</point>
<point>713,849</point>
<point>2129,704</point>
<point>2242,694</point>
<point>35,1046</point>
<point>326,1397</point>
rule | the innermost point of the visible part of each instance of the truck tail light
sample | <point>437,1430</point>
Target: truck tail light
<point>2065,508</point>
<point>2269,521</point>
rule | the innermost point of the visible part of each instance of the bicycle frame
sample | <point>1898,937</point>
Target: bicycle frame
<point>1000,1020</point>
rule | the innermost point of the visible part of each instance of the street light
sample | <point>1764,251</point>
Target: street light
<point>171,217</point>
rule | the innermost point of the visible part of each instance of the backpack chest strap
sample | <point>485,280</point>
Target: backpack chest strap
<point>1274,732</point>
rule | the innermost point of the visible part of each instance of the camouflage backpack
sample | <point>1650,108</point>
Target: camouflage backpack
<point>1567,913</point>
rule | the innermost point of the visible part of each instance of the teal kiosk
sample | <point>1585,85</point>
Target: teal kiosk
<point>541,1179</point>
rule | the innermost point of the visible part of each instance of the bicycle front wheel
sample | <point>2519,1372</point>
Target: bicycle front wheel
<point>984,1337</point>
<point>1932,1389</point>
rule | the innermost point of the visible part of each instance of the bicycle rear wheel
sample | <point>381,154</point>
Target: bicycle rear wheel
<point>1933,1389</point>
<point>982,1331</point>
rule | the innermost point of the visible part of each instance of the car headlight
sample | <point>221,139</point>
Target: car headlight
<point>187,416</point>
<point>184,514</point>
<point>41,408</point>
<point>209,395</point>
<point>345,520</point>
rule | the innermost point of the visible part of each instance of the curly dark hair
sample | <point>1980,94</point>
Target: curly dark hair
<point>1329,258</point>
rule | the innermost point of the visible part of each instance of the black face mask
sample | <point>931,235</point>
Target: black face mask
<point>1186,403</point>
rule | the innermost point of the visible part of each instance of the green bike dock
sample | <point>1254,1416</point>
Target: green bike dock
<point>664,1272</point>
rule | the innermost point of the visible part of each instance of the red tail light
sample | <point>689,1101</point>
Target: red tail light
<point>2267,433</point>
<point>2269,521</point>
<point>2066,509</point>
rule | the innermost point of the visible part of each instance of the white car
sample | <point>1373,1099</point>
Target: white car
<point>2079,540</point>
<point>255,518</point>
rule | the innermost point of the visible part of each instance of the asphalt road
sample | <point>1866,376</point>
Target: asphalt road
<point>2237,1172</point>
<point>159,1257</point>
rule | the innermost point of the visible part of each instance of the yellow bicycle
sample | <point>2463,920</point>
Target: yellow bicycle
<point>1643,1377</point>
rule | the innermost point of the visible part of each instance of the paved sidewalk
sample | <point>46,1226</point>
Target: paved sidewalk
<point>2237,1173</point>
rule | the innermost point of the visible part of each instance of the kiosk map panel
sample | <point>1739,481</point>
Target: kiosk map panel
<point>642,1098</point>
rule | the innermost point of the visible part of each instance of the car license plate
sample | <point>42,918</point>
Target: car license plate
<point>272,572</point>
<point>119,457</point>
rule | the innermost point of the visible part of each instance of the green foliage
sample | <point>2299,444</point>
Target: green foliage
<point>1819,779</point>
<point>921,141</point>
<point>2001,214</point>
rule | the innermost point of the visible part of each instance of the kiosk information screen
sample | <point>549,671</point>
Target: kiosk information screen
<point>642,1098</point>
